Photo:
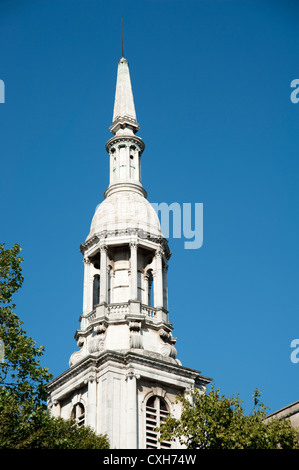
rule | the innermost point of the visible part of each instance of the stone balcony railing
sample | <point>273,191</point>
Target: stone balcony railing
<point>124,309</point>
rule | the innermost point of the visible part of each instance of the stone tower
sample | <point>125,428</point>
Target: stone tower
<point>125,376</point>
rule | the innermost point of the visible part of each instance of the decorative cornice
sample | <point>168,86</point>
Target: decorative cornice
<point>140,234</point>
<point>129,139</point>
<point>153,361</point>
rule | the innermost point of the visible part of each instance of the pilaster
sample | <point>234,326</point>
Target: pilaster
<point>131,421</point>
<point>91,418</point>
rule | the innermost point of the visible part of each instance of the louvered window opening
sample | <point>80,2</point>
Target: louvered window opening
<point>156,414</point>
<point>78,414</point>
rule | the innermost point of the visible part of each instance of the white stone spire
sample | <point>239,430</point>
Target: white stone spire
<point>124,114</point>
<point>124,101</point>
<point>124,148</point>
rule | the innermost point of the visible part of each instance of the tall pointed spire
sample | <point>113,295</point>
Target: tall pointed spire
<point>124,102</point>
<point>124,114</point>
<point>125,148</point>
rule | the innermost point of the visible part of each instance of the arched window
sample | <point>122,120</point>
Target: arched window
<point>96,290</point>
<point>78,414</point>
<point>156,414</point>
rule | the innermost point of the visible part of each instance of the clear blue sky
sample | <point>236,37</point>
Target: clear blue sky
<point>211,82</point>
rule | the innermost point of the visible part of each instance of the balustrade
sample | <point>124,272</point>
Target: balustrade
<point>123,308</point>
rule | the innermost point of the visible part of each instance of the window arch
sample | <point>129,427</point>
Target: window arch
<point>78,414</point>
<point>156,414</point>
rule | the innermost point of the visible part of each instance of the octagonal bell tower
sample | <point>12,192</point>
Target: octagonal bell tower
<point>125,376</point>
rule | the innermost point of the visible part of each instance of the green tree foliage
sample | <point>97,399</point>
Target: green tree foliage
<point>24,419</point>
<point>20,369</point>
<point>24,427</point>
<point>214,421</point>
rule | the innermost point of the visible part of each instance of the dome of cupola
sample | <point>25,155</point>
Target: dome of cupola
<point>125,210</point>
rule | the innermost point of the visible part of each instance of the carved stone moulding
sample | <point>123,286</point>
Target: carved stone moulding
<point>96,344</point>
<point>168,350</point>
<point>78,355</point>
<point>136,340</point>
<point>140,234</point>
<point>129,139</point>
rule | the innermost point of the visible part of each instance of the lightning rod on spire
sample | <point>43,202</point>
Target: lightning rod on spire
<point>122,38</point>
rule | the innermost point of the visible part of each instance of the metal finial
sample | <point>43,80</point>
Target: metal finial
<point>122,38</point>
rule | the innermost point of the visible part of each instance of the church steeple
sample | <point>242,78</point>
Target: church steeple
<point>125,148</point>
<point>125,377</point>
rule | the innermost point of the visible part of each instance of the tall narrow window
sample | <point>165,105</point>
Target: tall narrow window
<point>96,290</point>
<point>78,414</point>
<point>156,414</point>
<point>150,289</point>
<point>132,167</point>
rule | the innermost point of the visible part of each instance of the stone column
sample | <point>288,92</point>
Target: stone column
<point>158,279</point>
<point>165,289</point>
<point>112,168</point>
<point>111,277</point>
<point>103,275</point>
<point>134,164</point>
<point>91,411</point>
<point>55,408</point>
<point>86,285</point>
<point>131,411</point>
<point>133,258</point>
<point>145,288</point>
<point>117,164</point>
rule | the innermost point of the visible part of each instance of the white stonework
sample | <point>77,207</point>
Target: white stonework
<point>125,376</point>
